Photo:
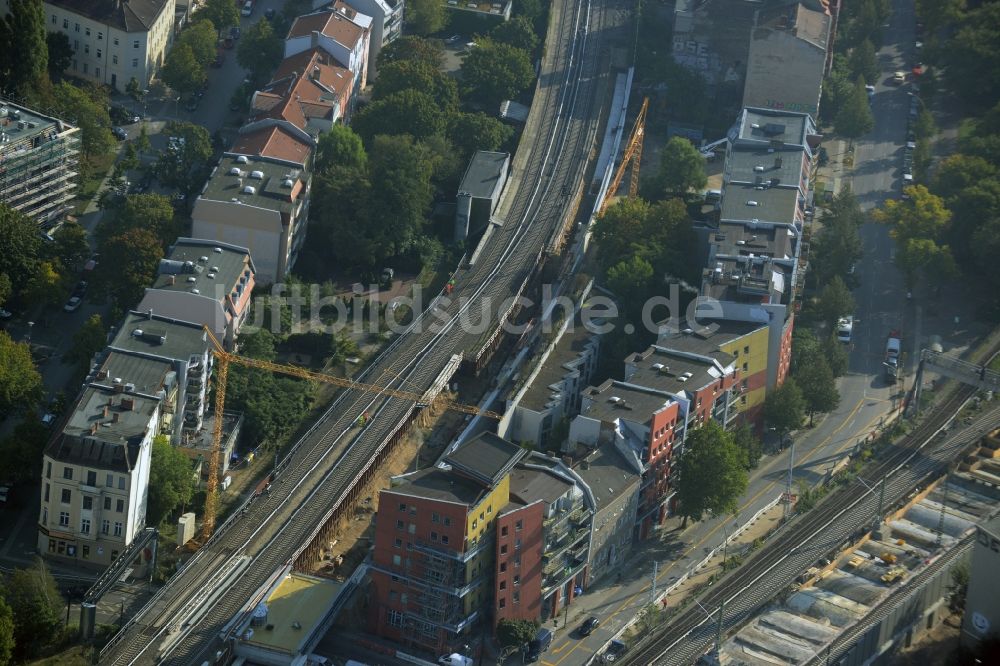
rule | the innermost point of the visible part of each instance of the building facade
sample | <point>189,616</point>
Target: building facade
<point>115,41</point>
<point>340,33</point>
<point>387,24</point>
<point>38,163</point>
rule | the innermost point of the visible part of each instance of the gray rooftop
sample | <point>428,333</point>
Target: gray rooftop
<point>772,204</point>
<point>147,375</point>
<point>670,368</point>
<point>772,127</point>
<point>25,128</point>
<point>160,337</point>
<point>747,280</point>
<point>607,474</point>
<point>756,165</point>
<point>438,484</point>
<point>634,403</point>
<point>261,182</point>
<point>714,333</point>
<point>205,265</point>
<point>484,170</point>
<point>131,16</point>
<point>760,239</point>
<point>531,485</point>
<point>568,349</point>
<point>992,526</point>
<point>486,457</point>
<point>104,429</point>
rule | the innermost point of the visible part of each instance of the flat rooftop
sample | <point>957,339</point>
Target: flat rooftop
<point>613,400</point>
<point>763,167</point>
<point>203,264</point>
<point>26,129</point>
<point>255,182</point>
<point>743,201</point>
<point>709,338</point>
<point>160,337</point>
<point>569,348</point>
<point>660,369</point>
<point>147,375</point>
<point>295,609</point>
<point>769,126</point>
<point>607,474</point>
<point>485,169</point>
<point>487,457</point>
<point>531,485</point>
<point>760,239</point>
<point>747,280</point>
<point>435,483</point>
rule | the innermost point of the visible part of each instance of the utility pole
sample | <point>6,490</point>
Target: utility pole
<point>877,522</point>
<point>652,593</point>
<point>718,630</point>
<point>788,483</point>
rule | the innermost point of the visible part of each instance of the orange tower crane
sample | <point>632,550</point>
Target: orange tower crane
<point>632,155</point>
<point>225,358</point>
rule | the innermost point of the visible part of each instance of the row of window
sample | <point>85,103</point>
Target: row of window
<point>66,497</point>
<point>412,529</point>
<point>516,598</point>
<point>62,548</point>
<point>119,527</point>
<point>435,516</point>
<point>518,526</point>
<point>100,35</point>
<point>90,478</point>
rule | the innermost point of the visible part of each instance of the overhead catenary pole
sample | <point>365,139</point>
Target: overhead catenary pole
<point>788,482</point>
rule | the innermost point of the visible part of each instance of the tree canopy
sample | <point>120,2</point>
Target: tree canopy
<point>182,71</point>
<point>518,32</point>
<point>186,168</point>
<point>405,112</point>
<point>972,57</point>
<point>221,13</point>
<point>88,340</point>
<point>837,244</point>
<point>711,474</point>
<point>341,146</point>
<point>515,633</point>
<point>418,75</point>
<point>682,167</point>
<point>863,62</point>
<point>6,632</point>
<point>784,408</point>
<point>493,72</point>
<point>37,609</point>
<point>19,246</point>
<point>819,391</point>
<point>128,265</point>
<point>470,132</point>
<point>171,481</point>
<point>60,54</point>
<point>20,383</point>
<point>425,17</point>
<point>835,301</point>
<point>412,47</point>
<point>918,225</point>
<point>260,50</point>
<point>855,117</point>
<point>23,44</point>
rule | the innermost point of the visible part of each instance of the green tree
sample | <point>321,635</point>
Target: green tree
<point>60,54</point>
<point>918,224</point>
<point>417,75</point>
<point>89,339</point>
<point>835,354</point>
<point>406,112</point>
<point>340,216</point>
<point>518,32</point>
<point>186,168</point>
<point>20,383</point>
<point>69,248</point>
<point>260,50</point>
<point>819,390</point>
<point>203,38</point>
<point>400,175</point>
<point>24,63</point>
<point>412,47</point>
<point>257,344</point>
<point>711,474</point>
<point>221,13</point>
<point>182,71</point>
<point>19,246</point>
<point>171,480</point>
<point>87,107</point>
<point>493,72</point>
<point>855,117</point>
<point>128,265</point>
<point>925,255</point>
<point>972,59</point>
<point>516,633</point>
<point>957,172</point>
<point>37,608</point>
<point>837,244</point>
<point>863,62</point>
<point>5,288</point>
<point>470,132</point>
<point>630,279</point>
<point>341,146</point>
<point>47,286</point>
<point>151,212</point>
<point>749,443</point>
<point>835,301</point>
<point>6,632</point>
<point>784,409</point>
<point>425,17</point>
<point>682,167</point>
<point>21,450</point>
<point>936,13</point>
<point>837,89</point>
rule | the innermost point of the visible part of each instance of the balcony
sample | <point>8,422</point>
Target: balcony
<point>485,543</point>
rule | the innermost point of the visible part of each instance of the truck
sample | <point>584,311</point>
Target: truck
<point>893,345</point>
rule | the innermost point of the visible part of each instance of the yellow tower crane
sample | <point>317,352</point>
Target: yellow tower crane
<point>632,155</point>
<point>224,358</point>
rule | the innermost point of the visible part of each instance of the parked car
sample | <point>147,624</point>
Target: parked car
<point>4,494</point>
<point>899,78</point>
<point>269,14</point>
<point>5,314</point>
<point>234,32</point>
<point>119,133</point>
<point>615,650</point>
<point>220,58</point>
<point>228,43</point>
<point>80,289</point>
<point>871,92</point>
<point>454,39</point>
<point>588,626</point>
<point>73,304</point>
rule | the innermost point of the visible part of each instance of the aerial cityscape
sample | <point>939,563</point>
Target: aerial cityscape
<point>473,333</point>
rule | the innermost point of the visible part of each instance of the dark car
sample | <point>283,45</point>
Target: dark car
<point>588,626</point>
<point>119,133</point>
<point>234,32</point>
<point>269,14</point>
<point>614,651</point>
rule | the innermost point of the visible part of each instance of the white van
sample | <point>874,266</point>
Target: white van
<point>247,8</point>
<point>845,327</point>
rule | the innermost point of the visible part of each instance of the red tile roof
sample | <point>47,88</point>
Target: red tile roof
<point>273,142</point>
<point>330,23</point>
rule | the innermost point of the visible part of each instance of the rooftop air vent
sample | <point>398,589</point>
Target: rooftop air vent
<point>217,250</point>
<point>657,366</point>
<point>192,279</point>
<point>195,292</point>
<point>214,269</point>
<point>754,126</point>
<point>235,171</point>
<point>682,379</point>
<point>741,242</point>
<point>242,159</point>
<point>759,168</point>
<point>203,259</point>
<point>751,202</point>
<point>287,182</point>
<point>614,400</point>
<point>259,175</point>
<point>249,189</point>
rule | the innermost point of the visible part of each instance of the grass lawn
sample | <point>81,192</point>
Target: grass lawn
<point>96,169</point>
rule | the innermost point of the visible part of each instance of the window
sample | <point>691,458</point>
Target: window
<point>48,470</point>
<point>118,529</point>
<point>86,552</point>
<point>482,516</point>
<point>45,515</point>
<point>46,493</point>
<point>399,524</point>
<point>120,506</point>
<point>402,506</point>
<point>519,525</point>
<point>397,560</point>
<point>475,524</point>
<point>412,529</point>
<point>67,496</point>
<point>447,521</point>
<point>110,481</point>
<point>503,531</point>
<point>88,503</point>
<point>100,36</point>
<point>403,598</point>
<point>68,473</point>
<point>503,567</point>
<point>746,366</point>
<point>503,585</point>
<point>85,67</point>
<point>91,478</point>
<point>135,44</point>
<point>435,518</point>
<point>87,32</point>
<point>503,602</point>
<point>121,483</point>
<point>517,545</point>
<point>392,595</point>
<point>98,53</point>
<point>135,62</point>
<point>116,41</point>
<point>517,580</point>
<point>444,538</point>
<point>434,536</point>
<point>63,519</point>
<point>517,597</point>
<point>503,549</point>
<point>85,526</point>
<point>105,526</point>
<point>107,504</point>
<point>746,349</point>
<point>114,61</point>
<point>413,510</point>
<point>76,27</point>
<point>53,19</point>
<point>398,543</point>
<point>52,545</point>
<point>66,24</point>
<point>395,618</point>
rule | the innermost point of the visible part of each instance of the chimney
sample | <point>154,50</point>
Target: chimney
<point>102,374</point>
<point>149,313</point>
<point>106,411</point>
<point>114,417</point>
<point>777,162</point>
<point>128,404</point>
<point>93,428</point>
<point>315,73</point>
<point>172,280</point>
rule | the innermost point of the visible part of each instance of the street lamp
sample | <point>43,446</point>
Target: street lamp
<point>877,519</point>
<point>30,324</point>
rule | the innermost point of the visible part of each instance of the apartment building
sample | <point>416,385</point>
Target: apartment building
<point>309,90</point>
<point>340,32</point>
<point>95,471</point>
<point>387,24</point>
<point>790,49</point>
<point>257,198</point>
<point>114,41</point>
<point>205,282</point>
<point>39,156</point>
<point>432,569</point>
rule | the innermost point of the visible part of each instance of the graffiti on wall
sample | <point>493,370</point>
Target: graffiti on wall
<point>697,56</point>
<point>781,105</point>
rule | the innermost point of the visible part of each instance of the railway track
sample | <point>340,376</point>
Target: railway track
<point>812,536</point>
<point>180,625</point>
